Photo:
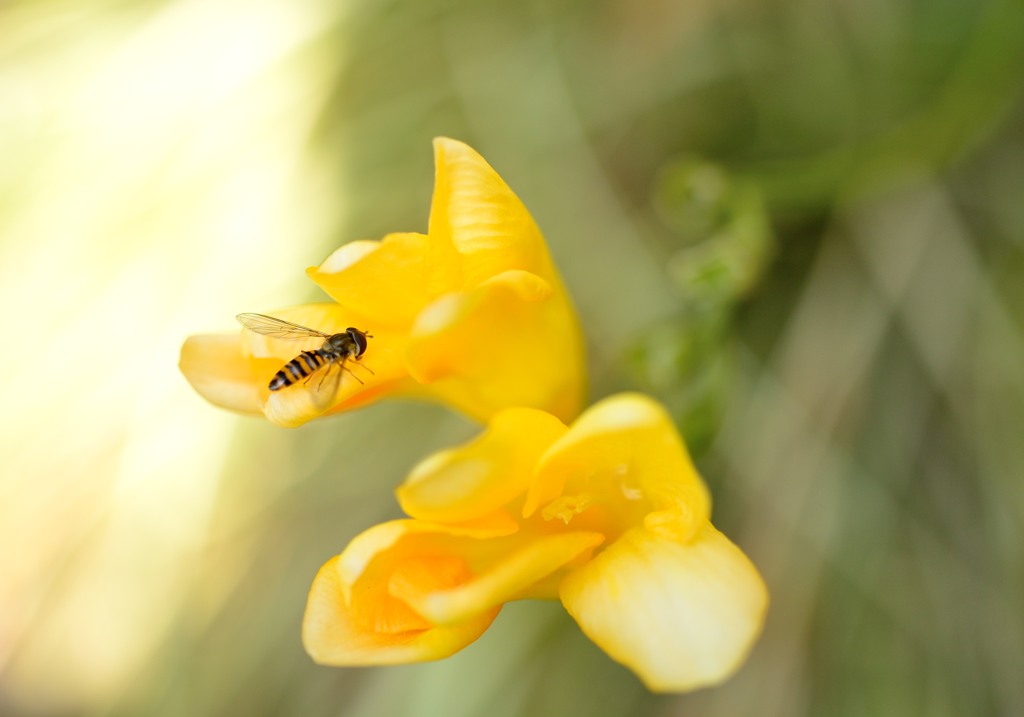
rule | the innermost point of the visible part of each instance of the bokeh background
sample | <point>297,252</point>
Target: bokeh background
<point>799,223</point>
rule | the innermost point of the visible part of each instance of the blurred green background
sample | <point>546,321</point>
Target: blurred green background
<point>799,223</point>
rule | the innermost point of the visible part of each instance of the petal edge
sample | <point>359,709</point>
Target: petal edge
<point>332,637</point>
<point>680,616</point>
<point>220,373</point>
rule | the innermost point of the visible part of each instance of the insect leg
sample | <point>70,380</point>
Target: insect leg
<point>364,366</point>
<point>323,376</point>
<point>351,373</point>
<point>326,388</point>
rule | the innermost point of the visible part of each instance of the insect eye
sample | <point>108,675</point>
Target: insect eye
<point>360,340</point>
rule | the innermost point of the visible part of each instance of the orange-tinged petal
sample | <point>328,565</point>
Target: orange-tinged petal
<point>376,551</point>
<point>474,211</point>
<point>513,574</point>
<point>681,616</point>
<point>411,574</point>
<point>379,371</point>
<point>627,448</point>
<point>389,281</point>
<point>353,618</point>
<point>482,476</point>
<point>217,370</point>
<point>512,341</point>
<point>333,634</point>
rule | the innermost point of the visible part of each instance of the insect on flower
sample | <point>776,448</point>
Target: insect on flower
<point>460,313</point>
<point>336,350</point>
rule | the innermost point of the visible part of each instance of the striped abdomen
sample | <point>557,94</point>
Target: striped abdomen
<point>297,369</point>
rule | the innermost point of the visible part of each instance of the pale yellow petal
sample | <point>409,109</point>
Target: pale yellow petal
<point>680,616</point>
<point>627,447</point>
<point>482,476</point>
<point>474,211</point>
<point>334,635</point>
<point>512,341</point>
<point>349,254</point>
<point>217,370</point>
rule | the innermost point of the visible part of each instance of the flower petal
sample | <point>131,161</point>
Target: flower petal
<point>353,619</point>
<point>333,634</point>
<point>217,370</point>
<point>381,547</point>
<point>482,476</point>
<point>630,438</point>
<point>514,566</point>
<point>680,616</point>
<point>474,211</point>
<point>512,341</point>
<point>389,281</point>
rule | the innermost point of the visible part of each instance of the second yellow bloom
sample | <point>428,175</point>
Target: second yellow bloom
<point>608,515</point>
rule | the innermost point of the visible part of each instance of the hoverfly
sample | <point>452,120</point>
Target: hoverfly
<point>336,350</point>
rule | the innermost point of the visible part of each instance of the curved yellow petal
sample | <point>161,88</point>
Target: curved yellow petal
<point>389,281</point>
<point>474,211</point>
<point>482,476</point>
<point>217,370</point>
<point>512,341</point>
<point>352,616</point>
<point>334,633</point>
<point>680,616</point>
<point>515,567</point>
<point>374,552</point>
<point>413,574</point>
<point>626,448</point>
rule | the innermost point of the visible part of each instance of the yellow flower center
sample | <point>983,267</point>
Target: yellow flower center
<point>608,501</point>
<point>567,506</point>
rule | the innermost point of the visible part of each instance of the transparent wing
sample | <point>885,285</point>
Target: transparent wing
<point>277,328</point>
<point>325,383</point>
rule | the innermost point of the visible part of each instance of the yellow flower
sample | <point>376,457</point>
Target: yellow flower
<point>609,516</point>
<point>473,314</point>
